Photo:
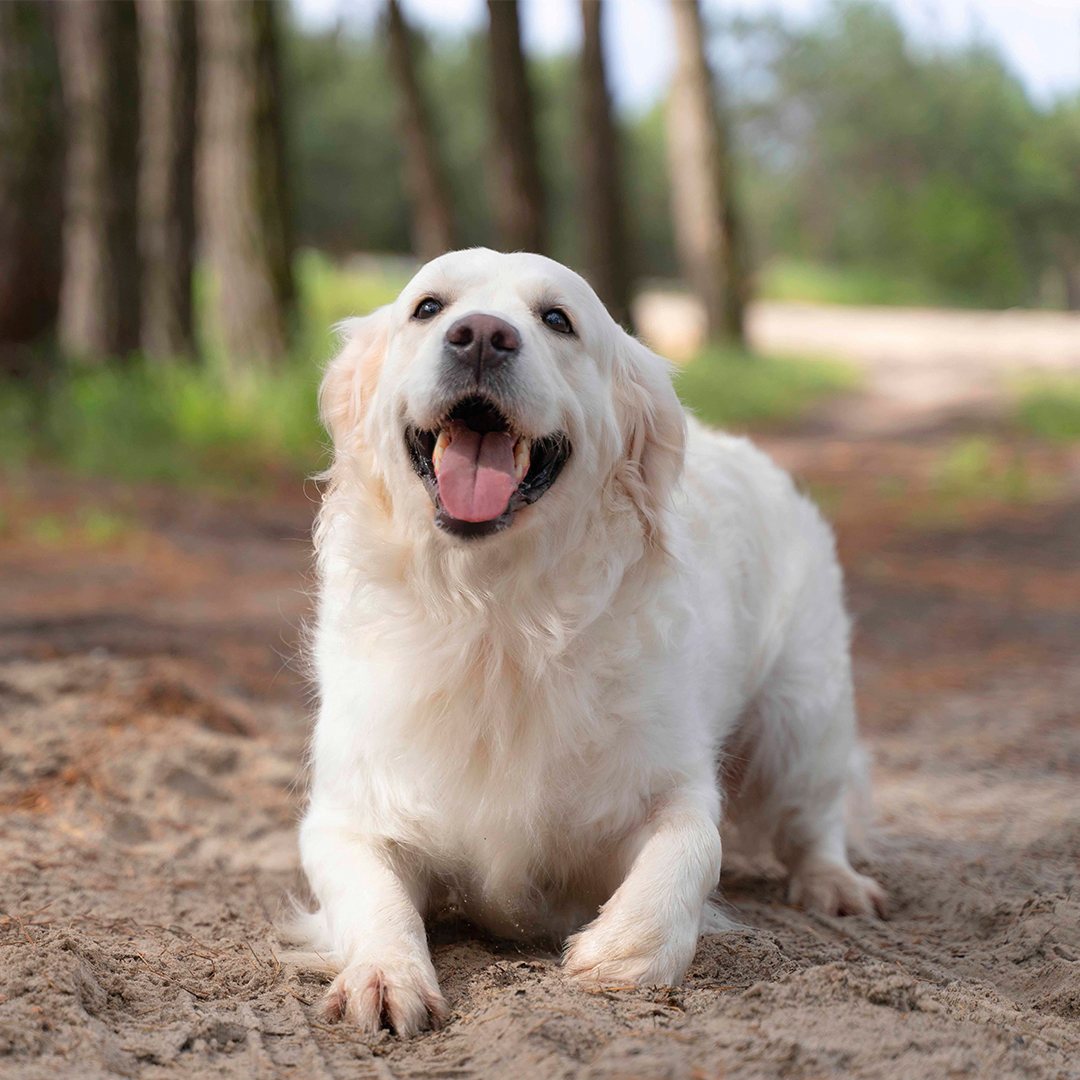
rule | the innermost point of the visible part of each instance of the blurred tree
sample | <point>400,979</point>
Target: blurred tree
<point>243,196</point>
<point>457,75</point>
<point>707,235</point>
<point>926,172</point>
<point>346,158</point>
<point>600,203</point>
<point>433,230</point>
<point>347,153</point>
<point>517,193</point>
<point>100,294</point>
<point>1052,159</point>
<point>648,187</point>
<point>168,43</point>
<point>31,184</point>
<point>873,152</point>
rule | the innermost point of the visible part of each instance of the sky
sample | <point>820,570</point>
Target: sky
<point>1040,39</point>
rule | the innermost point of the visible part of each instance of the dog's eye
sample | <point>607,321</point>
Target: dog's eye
<point>557,320</point>
<point>427,308</point>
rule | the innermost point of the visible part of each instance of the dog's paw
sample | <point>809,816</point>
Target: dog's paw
<point>401,995</point>
<point>613,951</point>
<point>837,890</point>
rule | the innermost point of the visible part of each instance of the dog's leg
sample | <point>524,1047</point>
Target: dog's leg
<point>370,910</point>
<point>802,753</point>
<point>814,849</point>
<point>647,932</point>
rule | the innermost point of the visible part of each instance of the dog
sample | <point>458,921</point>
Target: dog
<point>564,632</point>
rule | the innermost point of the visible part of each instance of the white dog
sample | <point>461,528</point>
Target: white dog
<point>562,633</point>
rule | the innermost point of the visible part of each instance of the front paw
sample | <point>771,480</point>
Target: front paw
<point>402,994</point>
<point>627,951</point>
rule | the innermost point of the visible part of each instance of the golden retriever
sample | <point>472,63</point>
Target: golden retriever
<point>555,613</point>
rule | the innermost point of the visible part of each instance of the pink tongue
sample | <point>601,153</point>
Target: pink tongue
<point>476,474</point>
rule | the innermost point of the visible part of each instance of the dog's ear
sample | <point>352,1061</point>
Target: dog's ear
<point>350,377</point>
<point>653,424</point>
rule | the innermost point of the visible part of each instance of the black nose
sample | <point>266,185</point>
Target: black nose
<point>482,342</point>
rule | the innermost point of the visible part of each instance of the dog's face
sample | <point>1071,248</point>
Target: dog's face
<point>496,394</point>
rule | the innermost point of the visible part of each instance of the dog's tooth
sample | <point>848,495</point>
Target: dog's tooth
<point>441,443</point>
<point>521,458</point>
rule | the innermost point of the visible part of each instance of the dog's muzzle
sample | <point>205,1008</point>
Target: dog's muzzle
<point>477,469</point>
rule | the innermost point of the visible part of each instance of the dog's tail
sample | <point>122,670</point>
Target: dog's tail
<point>308,930</point>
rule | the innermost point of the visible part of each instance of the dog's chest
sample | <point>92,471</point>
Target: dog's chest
<point>519,788</point>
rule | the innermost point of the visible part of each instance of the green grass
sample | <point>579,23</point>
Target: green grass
<point>85,526</point>
<point>169,423</point>
<point>976,467</point>
<point>734,389</point>
<point>794,279</point>
<point>979,471</point>
<point>1049,408</point>
<point>330,293</point>
<point>186,424</point>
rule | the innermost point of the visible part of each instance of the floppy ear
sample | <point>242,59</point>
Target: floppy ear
<point>653,424</point>
<point>350,377</point>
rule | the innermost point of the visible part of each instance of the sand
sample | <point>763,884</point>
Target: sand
<point>150,780</point>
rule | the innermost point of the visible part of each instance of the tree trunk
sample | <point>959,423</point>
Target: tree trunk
<point>243,192</point>
<point>31,185</point>
<point>1067,257</point>
<point>1071,274</point>
<point>600,203</point>
<point>169,55</point>
<point>425,182</point>
<point>707,236</point>
<point>99,299</point>
<point>517,192</point>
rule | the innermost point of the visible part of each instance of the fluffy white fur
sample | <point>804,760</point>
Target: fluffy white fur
<point>547,726</point>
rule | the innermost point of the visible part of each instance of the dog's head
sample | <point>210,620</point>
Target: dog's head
<point>496,396</point>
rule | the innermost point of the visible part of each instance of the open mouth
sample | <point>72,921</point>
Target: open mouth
<point>479,471</point>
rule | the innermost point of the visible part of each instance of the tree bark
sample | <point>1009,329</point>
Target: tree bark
<point>99,299</point>
<point>517,192</point>
<point>707,235</point>
<point>600,201</point>
<point>31,185</point>
<point>169,57</point>
<point>243,193</point>
<point>433,229</point>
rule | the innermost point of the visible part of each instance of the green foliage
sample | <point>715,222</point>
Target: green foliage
<point>345,157</point>
<point>977,469</point>
<point>1050,408</point>
<point>907,174</point>
<point>188,424</point>
<point>454,77</point>
<point>348,161</point>
<point>329,293</point>
<point>797,279</point>
<point>174,423</point>
<point>648,195</point>
<point>102,528</point>
<point>870,152</point>
<point>729,388</point>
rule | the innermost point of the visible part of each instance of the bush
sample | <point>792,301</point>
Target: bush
<point>734,389</point>
<point>1050,408</point>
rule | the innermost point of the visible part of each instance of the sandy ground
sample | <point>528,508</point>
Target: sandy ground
<point>153,724</point>
<point>919,366</point>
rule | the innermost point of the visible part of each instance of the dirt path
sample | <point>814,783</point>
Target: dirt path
<point>920,366</point>
<point>153,728</point>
